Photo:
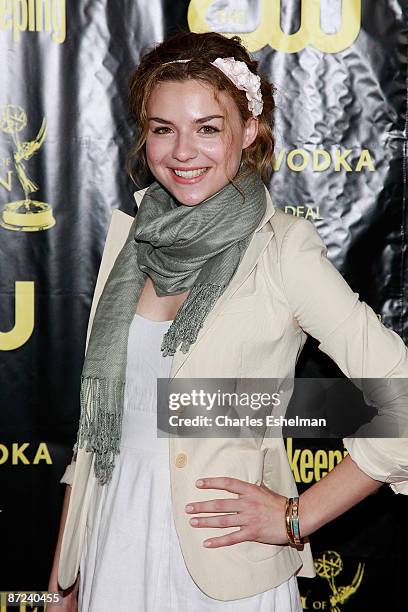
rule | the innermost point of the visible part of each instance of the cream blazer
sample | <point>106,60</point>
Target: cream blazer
<point>284,288</point>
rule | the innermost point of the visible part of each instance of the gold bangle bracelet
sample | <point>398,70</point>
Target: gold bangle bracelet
<point>292,521</point>
<point>288,520</point>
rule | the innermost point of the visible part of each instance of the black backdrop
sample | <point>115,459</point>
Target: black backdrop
<point>340,69</point>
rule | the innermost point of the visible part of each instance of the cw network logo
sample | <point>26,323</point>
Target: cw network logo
<point>258,24</point>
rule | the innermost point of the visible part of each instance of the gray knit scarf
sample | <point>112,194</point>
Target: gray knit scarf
<point>179,247</point>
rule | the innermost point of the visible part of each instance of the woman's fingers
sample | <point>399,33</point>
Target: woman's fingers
<point>258,512</point>
<point>240,535</point>
<point>214,505</point>
<point>234,485</point>
<point>221,521</point>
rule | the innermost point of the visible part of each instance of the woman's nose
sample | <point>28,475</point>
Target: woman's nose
<point>184,149</point>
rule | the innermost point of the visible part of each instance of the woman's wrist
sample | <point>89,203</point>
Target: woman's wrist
<point>339,490</point>
<point>308,518</point>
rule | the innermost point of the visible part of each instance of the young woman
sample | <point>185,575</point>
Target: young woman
<point>210,281</point>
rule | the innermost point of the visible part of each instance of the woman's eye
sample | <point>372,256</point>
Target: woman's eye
<point>161,130</point>
<point>205,129</point>
<point>209,129</point>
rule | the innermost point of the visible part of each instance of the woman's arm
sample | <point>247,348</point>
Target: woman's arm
<point>349,331</point>
<point>339,490</point>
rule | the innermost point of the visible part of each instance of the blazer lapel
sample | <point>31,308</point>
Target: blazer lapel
<point>259,241</point>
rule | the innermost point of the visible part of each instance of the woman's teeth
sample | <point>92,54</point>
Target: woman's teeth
<point>190,173</point>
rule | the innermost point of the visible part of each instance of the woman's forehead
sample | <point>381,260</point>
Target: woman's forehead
<point>190,93</point>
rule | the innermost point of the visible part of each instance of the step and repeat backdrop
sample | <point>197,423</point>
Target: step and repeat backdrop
<point>340,70</point>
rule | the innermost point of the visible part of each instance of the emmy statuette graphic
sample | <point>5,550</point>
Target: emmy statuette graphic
<point>328,566</point>
<point>24,215</point>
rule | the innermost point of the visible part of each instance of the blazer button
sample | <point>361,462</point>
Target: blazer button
<point>181,460</point>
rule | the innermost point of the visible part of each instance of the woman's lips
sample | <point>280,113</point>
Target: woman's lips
<point>190,175</point>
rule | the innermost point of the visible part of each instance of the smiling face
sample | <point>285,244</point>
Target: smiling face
<point>191,148</point>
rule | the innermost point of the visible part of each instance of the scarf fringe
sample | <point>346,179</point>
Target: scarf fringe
<point>190,318</point>
<point>100,423</point>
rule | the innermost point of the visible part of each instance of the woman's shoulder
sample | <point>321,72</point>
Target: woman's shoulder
<point>287,226</point>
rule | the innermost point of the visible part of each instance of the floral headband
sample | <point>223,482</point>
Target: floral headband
<point>245,80</point>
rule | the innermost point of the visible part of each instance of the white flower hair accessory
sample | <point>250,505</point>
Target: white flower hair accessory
<point>239,73</point>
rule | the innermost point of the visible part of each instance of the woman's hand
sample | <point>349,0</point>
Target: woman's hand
<point>258,512</point>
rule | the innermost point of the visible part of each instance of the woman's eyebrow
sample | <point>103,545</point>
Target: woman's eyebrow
<point>204,119</point>
<point>200,120</point>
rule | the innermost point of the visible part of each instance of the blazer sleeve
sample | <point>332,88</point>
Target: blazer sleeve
<point>349,331</point>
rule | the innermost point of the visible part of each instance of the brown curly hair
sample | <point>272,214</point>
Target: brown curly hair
<point>201,49</point>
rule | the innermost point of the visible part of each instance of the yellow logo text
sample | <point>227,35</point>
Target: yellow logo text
<point>308,466</point>
<point>18,16</point>
<point>320,160</point>
<point>23,317</point>
<point>307,212</point>
<point>16,454</point>
<point>260,27</point>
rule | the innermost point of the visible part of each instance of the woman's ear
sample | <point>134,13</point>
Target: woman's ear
<point>250,132</point>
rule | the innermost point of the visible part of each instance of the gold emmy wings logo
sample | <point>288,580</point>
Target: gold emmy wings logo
<point>24,215</point>
<point>328,566</point>
<point>258,24</point>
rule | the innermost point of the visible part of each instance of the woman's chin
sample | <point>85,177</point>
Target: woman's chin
<point>192,194</point>
<point>187,198</point>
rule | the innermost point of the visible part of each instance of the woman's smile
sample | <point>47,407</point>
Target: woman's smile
<point>189,176</point>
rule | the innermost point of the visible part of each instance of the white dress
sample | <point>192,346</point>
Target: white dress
<point>131,559</point>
